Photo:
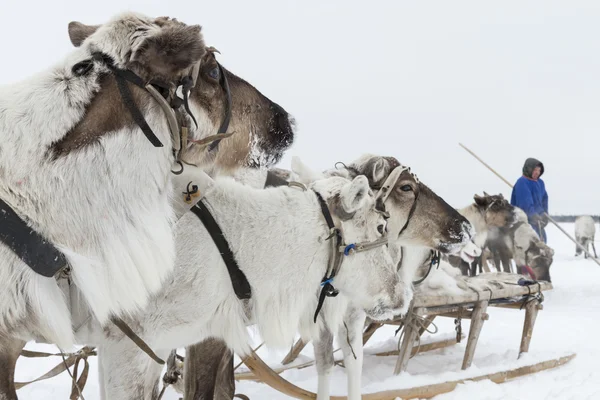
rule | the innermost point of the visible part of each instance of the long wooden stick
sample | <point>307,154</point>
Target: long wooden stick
<point>545,214</point>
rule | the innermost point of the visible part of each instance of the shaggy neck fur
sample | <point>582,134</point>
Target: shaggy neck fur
<point>106,205</point>
<point>476,219</point>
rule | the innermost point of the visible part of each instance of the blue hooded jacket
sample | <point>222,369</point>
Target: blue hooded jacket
<point>530,195</point>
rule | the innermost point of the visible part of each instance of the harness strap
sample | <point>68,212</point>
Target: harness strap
<point>136,339</point>
<point>240,283</point>
<point>410,213</point>
<point>435,259</point>
<point>325,211</point>
<point>327,288</point>
<point>225,124</point>
<point>31,247</point>
<point>121,77</point>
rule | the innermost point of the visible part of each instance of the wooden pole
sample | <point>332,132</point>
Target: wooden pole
<point>545,214</point>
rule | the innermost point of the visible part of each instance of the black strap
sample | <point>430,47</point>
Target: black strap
<point>328,290</point>
<point>121,77</point>
<point>225,124</point>
<point>410,213</point>
<point>325,211</point>
<point>33,249</point>
<point>241,286</point>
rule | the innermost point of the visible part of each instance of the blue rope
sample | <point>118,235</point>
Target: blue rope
<point>348,248</point>
<point>326,281</point>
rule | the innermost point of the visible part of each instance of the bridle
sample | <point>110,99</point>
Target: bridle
<point>383,194</point>
<point>339,250</point>
<point>166,97</point>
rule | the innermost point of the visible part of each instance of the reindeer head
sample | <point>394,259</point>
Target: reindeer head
<point>540,257</point>
<point>496,210</point>
<point>367,277</point>
<point>161,50</point>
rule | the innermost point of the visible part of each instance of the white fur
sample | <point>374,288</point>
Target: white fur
<point>341,310</point>
<point>585,232</point>
<point>477,220</point>
<point>106,206</point>
<point>277,236</point>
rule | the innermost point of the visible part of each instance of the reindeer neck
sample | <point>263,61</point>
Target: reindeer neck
<point>278,237</point>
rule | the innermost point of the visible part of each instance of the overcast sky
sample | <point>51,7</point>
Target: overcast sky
<point>510,80</point>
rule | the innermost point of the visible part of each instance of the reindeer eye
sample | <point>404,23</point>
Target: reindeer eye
<point>406,188</point>
<point>381,229</point>
<point>214,73</point>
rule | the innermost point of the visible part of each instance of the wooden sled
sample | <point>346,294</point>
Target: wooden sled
<point>472,305</point>
<point>271,378</point>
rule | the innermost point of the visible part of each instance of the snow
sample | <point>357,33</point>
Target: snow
<point>567,324</point>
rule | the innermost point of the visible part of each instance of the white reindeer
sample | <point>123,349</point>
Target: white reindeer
<point>585,232</point>
<point>433,224</point>
<point>279,238</point>
<point>82,173</point>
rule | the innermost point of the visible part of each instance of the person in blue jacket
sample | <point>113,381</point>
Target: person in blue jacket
<point>529,194</point>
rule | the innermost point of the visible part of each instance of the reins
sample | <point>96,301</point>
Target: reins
<point>339,250</point>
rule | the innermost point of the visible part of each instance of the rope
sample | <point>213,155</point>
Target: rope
<point>417,322</point>
<point>68,360</point>
<point>348,339</point>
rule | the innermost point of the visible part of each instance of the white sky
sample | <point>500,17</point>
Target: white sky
<point>509,79</point>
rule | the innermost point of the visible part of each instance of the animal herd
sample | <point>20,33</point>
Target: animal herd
<point>97,156</point>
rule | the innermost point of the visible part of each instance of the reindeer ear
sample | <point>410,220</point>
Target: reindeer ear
<point>380,167</point>
<point>172,50</point>
<point>304,172</point>
<point>485,194</point>
<point>78,32</point>
<point>354,194</point>
<point>480,201</point>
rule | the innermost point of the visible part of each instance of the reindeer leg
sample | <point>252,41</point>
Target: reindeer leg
<point>10,349</point>
<point>129,373</point>
<point>474,268</point>
<point>350,340</point>
<point>208,371</point>
<point>323,347</point>
<point>594,248</point>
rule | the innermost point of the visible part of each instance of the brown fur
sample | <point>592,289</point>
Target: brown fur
<point>255,119</point>
<point>106,113</point>
<point>496,209</point>
<point>165,56</point>
<point>434,213</point>
<point>9,353</point>
<point>78,32</point>
<point>212,364</point>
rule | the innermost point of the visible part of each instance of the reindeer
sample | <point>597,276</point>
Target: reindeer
<point>522,243</point>
<point>585,231</point>
<point>131,186</point>
<point>279,238</point>
<point>432,223</point>
<point>485,214</point>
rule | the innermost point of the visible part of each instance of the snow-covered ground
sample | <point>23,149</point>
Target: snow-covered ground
<point>567,324</point>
